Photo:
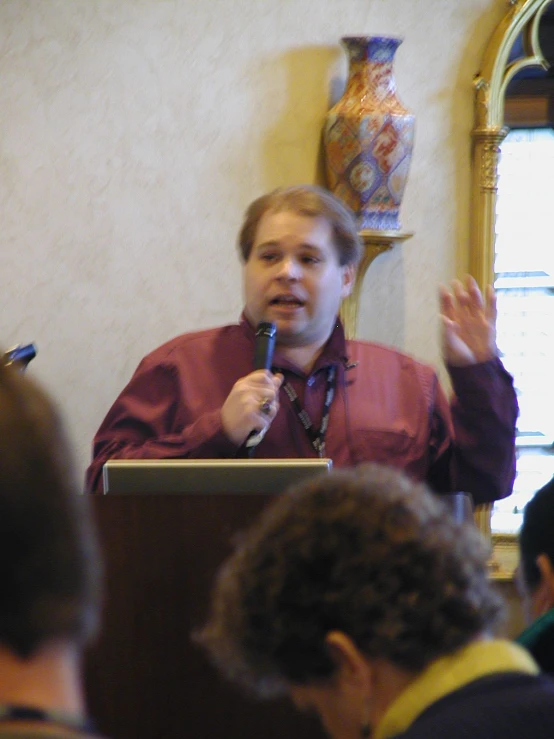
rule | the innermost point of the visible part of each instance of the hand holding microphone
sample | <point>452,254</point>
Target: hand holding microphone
<point>253,402</point>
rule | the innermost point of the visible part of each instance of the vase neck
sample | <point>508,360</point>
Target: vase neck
<point>370,65</point>
<point>374,49</point>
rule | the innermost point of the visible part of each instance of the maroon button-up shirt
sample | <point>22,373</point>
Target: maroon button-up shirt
<point>387,408</point>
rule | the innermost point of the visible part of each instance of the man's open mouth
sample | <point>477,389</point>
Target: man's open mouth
<point>288,301</point>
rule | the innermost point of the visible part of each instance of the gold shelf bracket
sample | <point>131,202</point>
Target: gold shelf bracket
<point>375,243</point>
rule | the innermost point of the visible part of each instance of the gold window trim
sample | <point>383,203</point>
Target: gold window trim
<point>491,121</point>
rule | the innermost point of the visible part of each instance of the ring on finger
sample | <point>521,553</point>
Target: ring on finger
<point>265,406</point>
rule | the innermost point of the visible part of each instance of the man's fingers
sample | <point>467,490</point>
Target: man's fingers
<point>491,309</point>
<point>446,302</point>
<point>463,296</point>
<point>474,293</point>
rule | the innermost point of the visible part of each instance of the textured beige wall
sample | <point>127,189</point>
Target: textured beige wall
<point>134,132</point>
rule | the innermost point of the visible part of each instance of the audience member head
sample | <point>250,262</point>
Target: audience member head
<point>536,545</point>
<point>305,200</point>
<point>358,567</point>
<point>49,566</point>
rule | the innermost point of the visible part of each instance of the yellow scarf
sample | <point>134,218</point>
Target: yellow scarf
<point>447,674</point>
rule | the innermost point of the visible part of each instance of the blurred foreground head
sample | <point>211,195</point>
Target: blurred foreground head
<point>49,566</point>
<point>536,546</point>
<point>366,553</point>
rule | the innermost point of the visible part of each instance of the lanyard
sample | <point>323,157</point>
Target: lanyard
<point>316,437</point>
<point>77,724</point>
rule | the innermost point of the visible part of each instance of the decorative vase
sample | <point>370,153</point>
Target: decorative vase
<point>368,135</point>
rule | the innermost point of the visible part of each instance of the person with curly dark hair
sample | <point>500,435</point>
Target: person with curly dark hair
<point>358,596</point>
<point>50,570</point>
<point>535,576</point>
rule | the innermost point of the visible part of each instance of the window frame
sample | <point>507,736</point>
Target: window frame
<point>490,84</point>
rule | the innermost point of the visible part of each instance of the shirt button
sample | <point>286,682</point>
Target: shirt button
<point>311,381</point>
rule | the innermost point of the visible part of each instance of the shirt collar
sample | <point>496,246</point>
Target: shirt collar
<point>333,352</point>
<point>532,633</point>
<point>447,674</point>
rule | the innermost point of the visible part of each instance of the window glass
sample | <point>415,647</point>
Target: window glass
<point>524,283</point>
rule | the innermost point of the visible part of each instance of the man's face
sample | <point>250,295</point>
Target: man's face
<point>293,277</point>
<point>525,594</point>
<point>538,600</point>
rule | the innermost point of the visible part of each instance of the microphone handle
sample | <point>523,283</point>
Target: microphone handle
<point>263,357</point>
<point>265,345</point>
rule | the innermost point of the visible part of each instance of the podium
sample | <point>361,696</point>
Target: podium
<point>144,676</point>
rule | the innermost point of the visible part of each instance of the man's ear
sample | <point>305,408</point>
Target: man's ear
<point>348,279</point>
<point>543,595</point>
<point>352,666</point>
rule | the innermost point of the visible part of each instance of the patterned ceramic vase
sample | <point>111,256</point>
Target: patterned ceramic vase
<point>368,135</point>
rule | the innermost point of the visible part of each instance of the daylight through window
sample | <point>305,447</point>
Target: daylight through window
<point>524,283</point>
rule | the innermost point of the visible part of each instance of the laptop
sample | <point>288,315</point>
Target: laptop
<point>174,476</point>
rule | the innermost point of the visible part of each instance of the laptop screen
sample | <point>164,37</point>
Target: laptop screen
<point>174,476</point>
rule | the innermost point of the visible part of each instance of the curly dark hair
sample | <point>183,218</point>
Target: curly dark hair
<point>366,552</point>
<point>305,200</point>
<point>50,570</point>
<point>536,535</point>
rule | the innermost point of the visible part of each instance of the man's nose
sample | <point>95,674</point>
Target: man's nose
<point>290,269</point>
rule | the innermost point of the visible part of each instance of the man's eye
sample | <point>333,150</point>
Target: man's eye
<point>268,257</point>
<point>310,260</point>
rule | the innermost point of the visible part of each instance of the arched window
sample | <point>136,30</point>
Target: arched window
<point>512,235</point>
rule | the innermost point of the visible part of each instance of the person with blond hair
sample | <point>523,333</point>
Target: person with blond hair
<point>199,395</point>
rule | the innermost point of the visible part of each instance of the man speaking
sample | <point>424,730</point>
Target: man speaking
<point>199,396</point>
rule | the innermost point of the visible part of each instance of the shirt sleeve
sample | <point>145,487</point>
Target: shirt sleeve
<point>473,441</point>
<point>143,424</point>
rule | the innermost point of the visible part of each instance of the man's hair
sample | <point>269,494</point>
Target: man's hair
<point>49,565</point>
<point>305,200</point>
<point>366,552</point>
<point>536,535</point>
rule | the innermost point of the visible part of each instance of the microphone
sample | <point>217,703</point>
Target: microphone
<point>263,356</point>
<point>20,355</point>
<point>265,345</point>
